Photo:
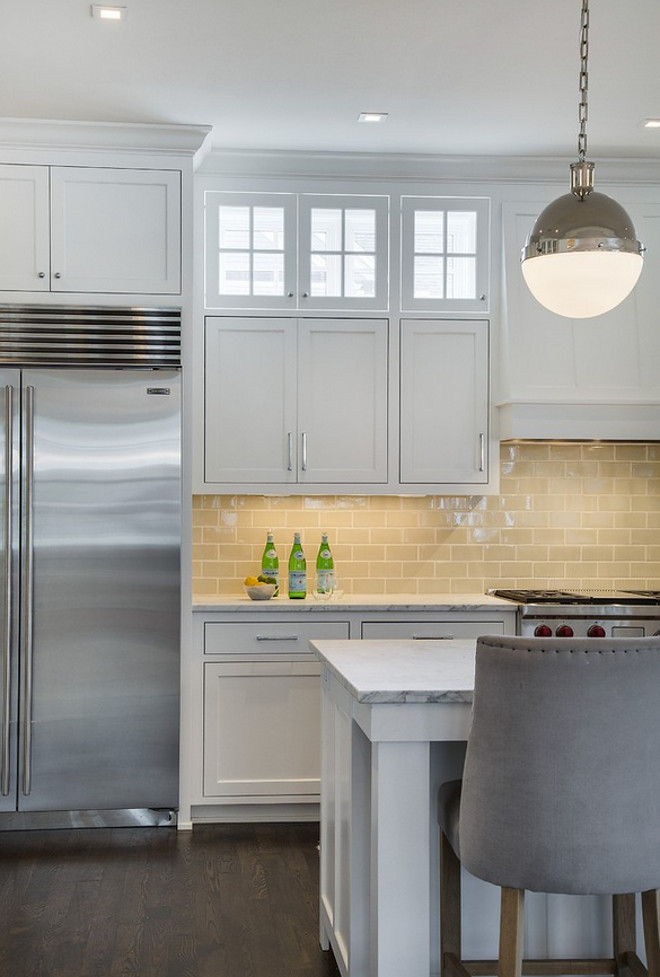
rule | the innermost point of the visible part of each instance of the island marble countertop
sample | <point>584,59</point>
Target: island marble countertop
<point>390,670</point>
<point>355,602</point>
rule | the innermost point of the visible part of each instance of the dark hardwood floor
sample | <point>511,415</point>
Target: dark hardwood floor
<point>220,901</point>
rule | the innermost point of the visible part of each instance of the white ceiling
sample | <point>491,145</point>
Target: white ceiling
<point>457,77</point>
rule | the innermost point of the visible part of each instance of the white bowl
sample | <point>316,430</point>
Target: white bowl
<point>263,591</point>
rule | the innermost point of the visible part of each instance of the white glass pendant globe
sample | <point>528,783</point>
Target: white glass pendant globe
<point>584,283</point>
<point>582,258</point>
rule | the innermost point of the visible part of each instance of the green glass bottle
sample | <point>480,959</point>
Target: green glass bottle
<point>297,571</point>
<point>270,564</point>
<point>325,568</point>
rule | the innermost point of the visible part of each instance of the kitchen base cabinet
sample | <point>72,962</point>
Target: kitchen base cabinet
<point>250,716</point>
<point>251,695</point>
<point>261,730</point>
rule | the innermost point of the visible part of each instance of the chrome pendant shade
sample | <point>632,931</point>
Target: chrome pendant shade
<point>582,257</point>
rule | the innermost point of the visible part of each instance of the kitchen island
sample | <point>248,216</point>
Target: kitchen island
<point>395,718</point>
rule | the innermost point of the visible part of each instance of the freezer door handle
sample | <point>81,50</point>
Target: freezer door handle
<point>28,583</point>
<point>7,570</point>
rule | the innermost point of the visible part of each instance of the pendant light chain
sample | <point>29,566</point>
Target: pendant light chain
<point>584,81</point>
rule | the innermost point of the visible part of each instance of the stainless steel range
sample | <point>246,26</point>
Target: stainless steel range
<point>589,613</point>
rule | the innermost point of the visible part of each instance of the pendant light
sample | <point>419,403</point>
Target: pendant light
<point>582,257</point>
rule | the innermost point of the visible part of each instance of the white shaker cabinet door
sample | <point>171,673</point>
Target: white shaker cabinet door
<point>250,400</point>
<point>24,220</point>
<point>342,405</point>
<point>444,401</point>
<point>262,729</point>
<point>116,230</point>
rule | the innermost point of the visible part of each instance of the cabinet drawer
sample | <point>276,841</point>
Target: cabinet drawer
<point>268,638</point>
<point>431,629</point>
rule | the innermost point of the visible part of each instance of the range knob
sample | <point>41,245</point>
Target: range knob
<point>564,631</point>
<point>596,631</point>
<point>542,631</point>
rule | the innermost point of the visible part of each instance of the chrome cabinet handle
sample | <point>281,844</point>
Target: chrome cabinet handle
<point>7,568</point>
<point>304,451</point>
<point>28,584</point>
<point>58,274</point>
<point>482,452</point>
<point>433,637</point>
<point>42,274</point>
<point>277,637</point>
<point>289,467</point>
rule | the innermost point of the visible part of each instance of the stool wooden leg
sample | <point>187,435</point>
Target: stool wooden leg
<point>511,932</point>
<point>624,931</point>
<point>651,918</point>
<point>450,904</point>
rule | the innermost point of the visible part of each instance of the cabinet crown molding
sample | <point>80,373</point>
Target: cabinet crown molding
<point>126,137</point>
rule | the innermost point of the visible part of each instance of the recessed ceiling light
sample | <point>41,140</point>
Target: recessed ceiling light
<point>652,124</point>
<point>108,13</point>
<point>372,116</point>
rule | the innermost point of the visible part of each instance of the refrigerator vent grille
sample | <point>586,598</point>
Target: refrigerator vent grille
<point>70,336</point>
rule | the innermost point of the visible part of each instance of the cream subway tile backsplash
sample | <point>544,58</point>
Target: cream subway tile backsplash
<point>587,513</point>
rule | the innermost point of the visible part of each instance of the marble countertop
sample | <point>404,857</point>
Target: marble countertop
<point>355,602</point>
<point>397,671</point>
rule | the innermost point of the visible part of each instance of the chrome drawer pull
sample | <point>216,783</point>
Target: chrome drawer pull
<point>273,637</point>
<point>433,637</point>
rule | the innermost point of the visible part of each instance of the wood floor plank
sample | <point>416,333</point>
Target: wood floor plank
<point>220,901</point>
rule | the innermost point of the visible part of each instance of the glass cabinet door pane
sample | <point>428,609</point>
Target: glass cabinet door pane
<point>326,229</point>
<point>360,276</point>
<point>268,230</point>
<point>326,275</point>
<point>461,278</point>
<point>234,227</point>
<point>234,273</point>
<point>429,278</point>
<point>429,231</point>
<point>360,231</point>
<point>462,231</point>
<point>268,274</point>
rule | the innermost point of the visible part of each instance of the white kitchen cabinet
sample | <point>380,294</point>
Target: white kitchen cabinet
<point>261,730</point>
<point>257,729</point>
<point>295,251</point>
<point>445,254</point>
<point>24,239</point>
<point>444,419</point>
<point>250,702</point>
<point>291,402</point>
<point>90,229</point>
<point>430,630</point>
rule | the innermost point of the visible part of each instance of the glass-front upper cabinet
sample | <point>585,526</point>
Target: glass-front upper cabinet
<point>250,255</point>
<point>343,252</point>
<point>445,254</point>
<point>295,251</point>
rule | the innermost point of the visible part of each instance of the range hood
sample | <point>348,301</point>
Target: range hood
<point>578,421</point>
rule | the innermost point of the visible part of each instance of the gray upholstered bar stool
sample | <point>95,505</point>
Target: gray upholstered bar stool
<point>560,793</point>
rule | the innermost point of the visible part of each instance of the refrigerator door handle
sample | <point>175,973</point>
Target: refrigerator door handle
<point>8,596</point>
<point>28,584</point>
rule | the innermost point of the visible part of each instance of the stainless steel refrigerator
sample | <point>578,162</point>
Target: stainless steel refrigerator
<point>90,499</point>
